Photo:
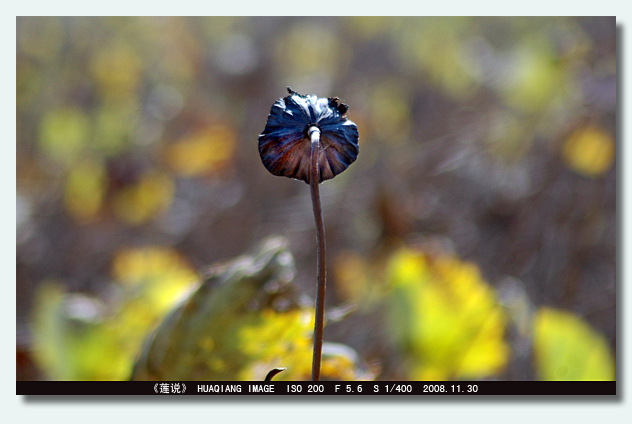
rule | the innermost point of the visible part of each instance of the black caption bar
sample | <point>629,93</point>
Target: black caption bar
<point>344,388</point>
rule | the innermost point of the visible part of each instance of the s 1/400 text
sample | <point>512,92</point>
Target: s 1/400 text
<point>426,388</point>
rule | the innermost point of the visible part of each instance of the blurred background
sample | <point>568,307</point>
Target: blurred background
<point>474,237</point>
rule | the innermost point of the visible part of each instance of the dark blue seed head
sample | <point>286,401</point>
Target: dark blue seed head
<point>285,146</point>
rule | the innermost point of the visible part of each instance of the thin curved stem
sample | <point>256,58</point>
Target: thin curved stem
<point>274,372</point>
<point>314,180</point>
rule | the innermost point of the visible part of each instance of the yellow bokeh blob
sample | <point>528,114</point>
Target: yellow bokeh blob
<point>160,272</point>
<point>138,203</point>
<point>207,150</point>
<point>116,69</point>
<point>64,133</point>
<point>84,190</point>
<point>589,151</point>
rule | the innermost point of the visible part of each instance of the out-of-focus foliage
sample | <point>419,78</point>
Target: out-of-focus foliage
<point>493,138</point>
<point>241,322</point>
<point>444,318</point>
<point>566,348</point>
<point>77,337</point>
<point>446,322</point>
<point>238,324</point>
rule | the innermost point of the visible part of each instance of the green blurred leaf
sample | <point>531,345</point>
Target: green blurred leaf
<point>242,321</point>
<point>444,318</point>
<point>567,348</point>
<point>77,337</point>
<point>70,340</point>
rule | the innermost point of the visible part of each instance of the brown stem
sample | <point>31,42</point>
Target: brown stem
<point>314,180</point>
